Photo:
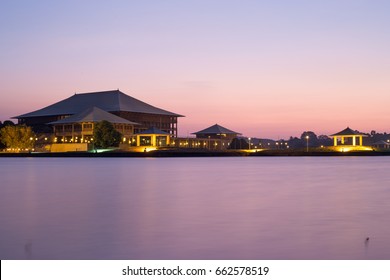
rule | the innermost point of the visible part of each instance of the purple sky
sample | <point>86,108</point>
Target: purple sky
<point>267,69</point>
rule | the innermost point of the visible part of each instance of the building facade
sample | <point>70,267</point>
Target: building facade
<point>114,102</point>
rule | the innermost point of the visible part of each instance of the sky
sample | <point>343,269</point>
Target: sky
<point>269,69</point>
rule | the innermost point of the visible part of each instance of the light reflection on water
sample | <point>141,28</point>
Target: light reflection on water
<point>195,208</point>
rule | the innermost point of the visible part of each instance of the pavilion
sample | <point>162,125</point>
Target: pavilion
<point>216,132</point>
<point>215,137</point>
<point>347,134</point>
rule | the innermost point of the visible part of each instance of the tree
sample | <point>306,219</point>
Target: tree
<point>6,123</point>
<point>295,143</point>
<point>17,137</point>
<point>313,140</point>
<point>105,135</point>
<point>239,143</point>
<point>324,140</point>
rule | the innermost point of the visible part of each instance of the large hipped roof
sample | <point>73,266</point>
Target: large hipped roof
<point>110,101</point>
<point>216,129</point>
<point>93,114</point>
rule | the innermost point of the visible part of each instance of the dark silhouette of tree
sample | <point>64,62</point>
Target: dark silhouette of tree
<point>6,123</point>
<point>239,143</point>
<point>313,140</point>
<point>324,140</point>
<point>105,135</point>
<point>295,143</point>
<point>376,137</point>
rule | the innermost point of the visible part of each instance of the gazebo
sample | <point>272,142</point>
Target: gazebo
<point>348,133</point>
<point>216,132</point>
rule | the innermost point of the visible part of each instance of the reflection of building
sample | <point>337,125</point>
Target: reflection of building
<point>79,128</point>
<point>346,136</point>
<point>114,102</point>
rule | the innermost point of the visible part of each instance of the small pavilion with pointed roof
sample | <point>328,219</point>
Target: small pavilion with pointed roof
<point>216,132</point>
<point>348,133</point>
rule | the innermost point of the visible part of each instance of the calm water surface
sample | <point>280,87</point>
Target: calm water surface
<point>195,208</point>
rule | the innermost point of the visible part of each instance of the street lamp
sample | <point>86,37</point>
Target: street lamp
<point>307,143</point>
<point>249,142</point>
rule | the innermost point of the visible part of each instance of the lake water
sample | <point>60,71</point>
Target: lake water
<point>195,208</point>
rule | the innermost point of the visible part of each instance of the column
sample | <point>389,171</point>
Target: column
<point>334,140</point>
<point>138,141</point>
<point>354,140</point>
<point>342,140</point>
<point>361,140</point>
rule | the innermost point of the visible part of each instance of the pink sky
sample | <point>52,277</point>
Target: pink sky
<point>265,70</point>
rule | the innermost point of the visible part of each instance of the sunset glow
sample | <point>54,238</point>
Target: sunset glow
<point>269,69</point>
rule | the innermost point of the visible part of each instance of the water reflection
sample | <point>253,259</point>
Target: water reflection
<point>196,208</point>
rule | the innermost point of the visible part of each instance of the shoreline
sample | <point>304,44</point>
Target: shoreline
<point>189,153</point>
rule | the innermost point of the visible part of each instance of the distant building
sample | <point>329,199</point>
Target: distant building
<point>216,132</point>
<point>381,145</point>
<point>114,102</point>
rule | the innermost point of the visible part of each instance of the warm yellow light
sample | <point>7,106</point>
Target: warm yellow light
<point>345,149</point>
<point>149,149</point>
